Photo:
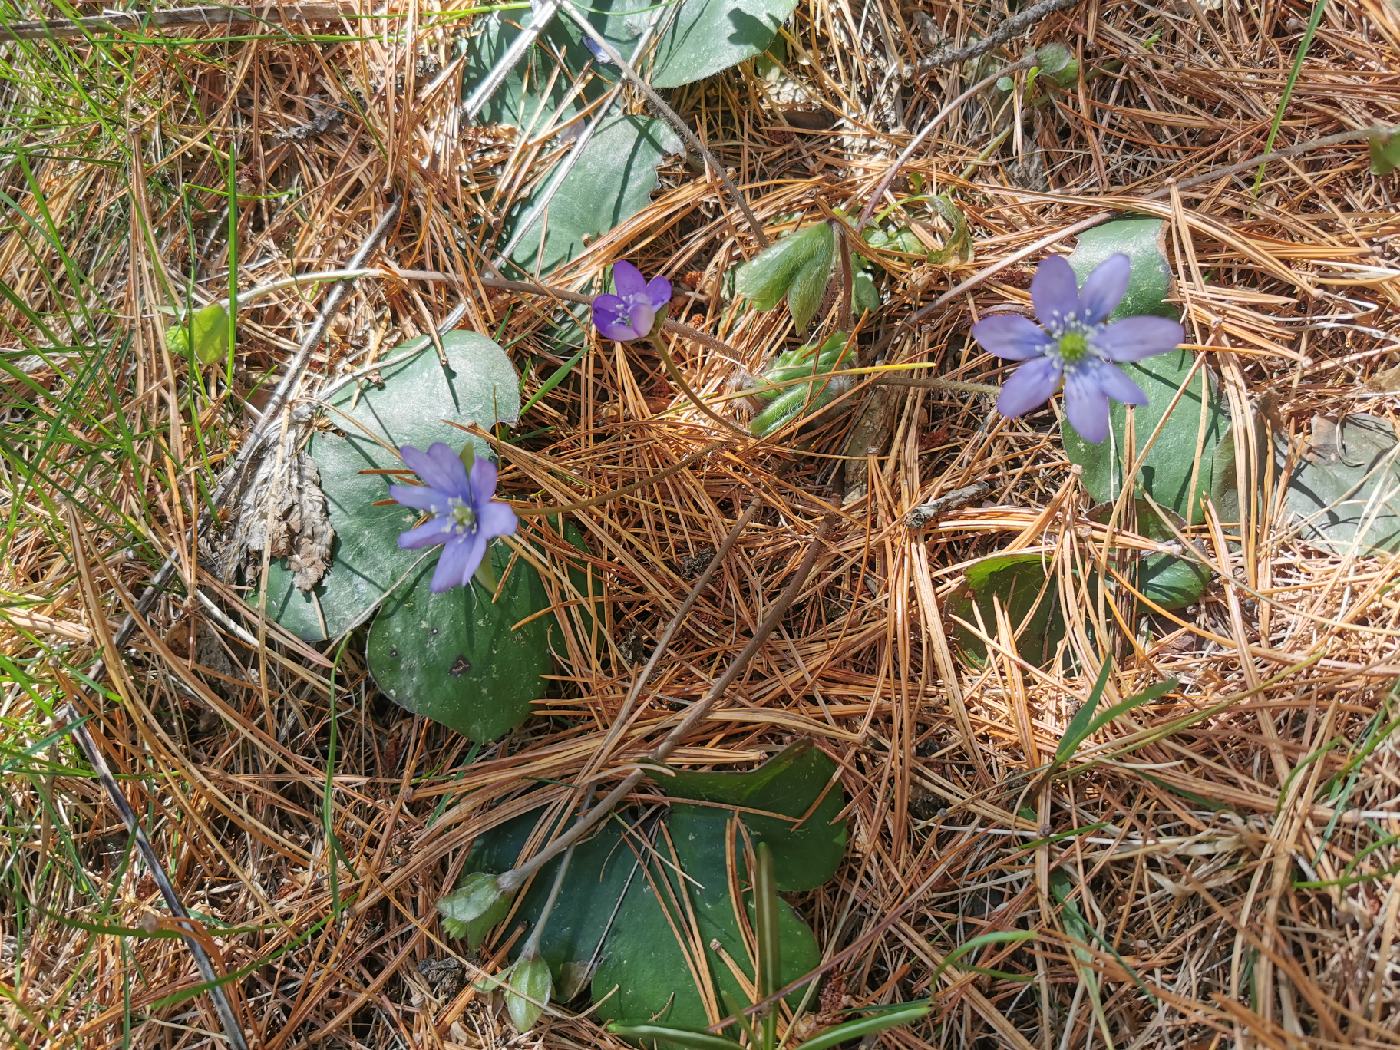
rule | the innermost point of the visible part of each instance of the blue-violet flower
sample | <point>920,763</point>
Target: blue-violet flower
<point>464,516</point>
<point>632,311</point>
<point>1073,343</point>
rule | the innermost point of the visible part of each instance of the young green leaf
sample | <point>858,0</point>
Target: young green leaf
<point>206,331</point>
<point>1385,152</point>
<point>476,905</point>
<point>797,265</point>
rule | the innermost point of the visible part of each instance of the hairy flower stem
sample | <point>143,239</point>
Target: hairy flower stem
<point>531,947</point>
<point>672,370</point>
<point>671,117</point>
<point>511,880</point>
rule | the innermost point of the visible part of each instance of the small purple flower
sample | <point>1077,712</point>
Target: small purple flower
<point>632,311</point>
<point>1073,343</point>
<point>464,516</point>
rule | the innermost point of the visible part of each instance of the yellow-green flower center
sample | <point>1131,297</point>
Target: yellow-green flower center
<point>1073,346</point>
<point>462,514</point>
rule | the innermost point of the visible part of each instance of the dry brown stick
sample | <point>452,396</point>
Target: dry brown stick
<point>1013,26</point>
<point>511,880</point>
<point>208,16</point>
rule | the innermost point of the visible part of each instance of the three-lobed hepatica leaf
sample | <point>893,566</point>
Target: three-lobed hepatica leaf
<point>1025,592</point>
<point>1347,493</point>
<point>796,266</point>
<point>708,36</point>
<point>805,854</point>
<point>458,657</point>
<point>648,973</point>
<point>625,898</point>
<point>415,403</point>
<point>610,180</point>
<point>548,86</point>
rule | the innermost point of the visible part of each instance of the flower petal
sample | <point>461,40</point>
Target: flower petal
<point>658,292</point>
<point>496,519</point>
<point>628,280</point>
<point>1086,404</point>
<point>1011,336</point>
<point>419,497</point>
<point>643,317</point>
<point>613,318</point>
<point>1114,382</point>
<point>1054,293</point>
<point>1104,288</point>
<point>1029,386</point>
<point>448,460</point>
<point>426,467</point>
<point>483,483</point>
<point>458,561</point>
<point>438,530</point>
<point>1134,338</point>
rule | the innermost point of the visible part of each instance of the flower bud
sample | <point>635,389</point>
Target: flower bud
<point>528,989</point>
<point>474,907</point>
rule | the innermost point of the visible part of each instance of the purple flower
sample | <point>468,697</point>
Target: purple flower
<point>464,517</point>
<point>631,312</point>
<point>1073,343</point>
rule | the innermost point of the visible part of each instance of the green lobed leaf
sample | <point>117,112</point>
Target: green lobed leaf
<point>457,657</point>
<point>708,36</point>
<point>1171,582</point>
<point>646,974</point>
<point>609,908</point>
<point>1020,585</point>
<point>1141,240</point>
<point>415,403</point>
<point>548,85</point>
<point>804,855</point>
<point>610,181</point>
<point>1349,492</point>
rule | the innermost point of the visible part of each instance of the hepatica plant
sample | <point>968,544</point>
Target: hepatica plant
<point>1074,343</point>
<point>464,517</point>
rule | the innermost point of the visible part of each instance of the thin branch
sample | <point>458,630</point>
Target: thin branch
<point>77,725</point>
<point>586,821</point>
<point>1013,26</point>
